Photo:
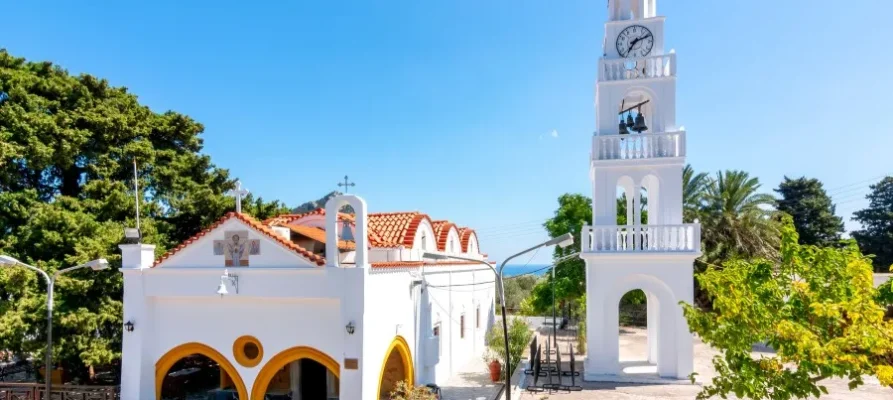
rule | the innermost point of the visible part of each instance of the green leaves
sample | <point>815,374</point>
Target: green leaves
<point>817,308</point>
<point>877,225</point>
<point>812,211</point>
<point>67,146</point>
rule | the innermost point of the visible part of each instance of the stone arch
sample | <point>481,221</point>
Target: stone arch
<point>165,362</point>
<point>397,355</point>
<point>661,299</point>
<point>262,382</point>
<point>651,183</point>
<point>361,236</point>
<point>637,94</point>
<point>628,186</point>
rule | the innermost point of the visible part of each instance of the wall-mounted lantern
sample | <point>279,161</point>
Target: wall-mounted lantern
<point>350,328</point>
<point>128,326</point>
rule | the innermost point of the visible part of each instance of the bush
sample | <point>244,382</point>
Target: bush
<point>519,338</point>
<point>406,391</point>
<point>581,337</point>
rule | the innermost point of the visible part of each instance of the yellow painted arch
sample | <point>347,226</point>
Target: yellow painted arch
<point>399,344</point>
<point>164,364</point>
<point>262,382</point>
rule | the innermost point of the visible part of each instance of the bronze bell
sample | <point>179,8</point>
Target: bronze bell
<point>629,120</point>
<point>622,126</point>
<point>640,123</point>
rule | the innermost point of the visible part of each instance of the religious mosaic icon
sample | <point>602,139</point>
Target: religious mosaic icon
<point>236,248</point>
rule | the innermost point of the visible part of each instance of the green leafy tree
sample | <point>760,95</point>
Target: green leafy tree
<point>736,219</point>
<point>876,235</point>
<point>808,203</point>
<point>817,307</point>
<point>693,192</point>
<point>67,146</point>
<point>517,289</point>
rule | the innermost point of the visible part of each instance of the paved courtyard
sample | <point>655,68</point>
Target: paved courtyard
<point>633,347</point>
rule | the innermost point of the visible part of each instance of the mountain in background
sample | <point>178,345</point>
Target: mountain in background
<point>321,203</point>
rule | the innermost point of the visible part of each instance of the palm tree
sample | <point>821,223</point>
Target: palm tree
<point>693,187</point>
<point>737,221</point>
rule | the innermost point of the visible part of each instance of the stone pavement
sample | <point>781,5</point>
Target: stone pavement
<point>633,346</point>
<point>472,382</point>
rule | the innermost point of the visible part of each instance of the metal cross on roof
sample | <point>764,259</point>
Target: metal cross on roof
<point>239,194</point>
<point>346,184</point>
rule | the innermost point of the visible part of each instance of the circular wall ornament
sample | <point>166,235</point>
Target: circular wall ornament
<point>248,351</point>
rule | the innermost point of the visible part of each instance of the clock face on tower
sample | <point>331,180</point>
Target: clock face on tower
<point>635,41</point>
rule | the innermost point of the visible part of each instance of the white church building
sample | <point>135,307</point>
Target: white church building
<point>638,154</point>
<point>321,305</point>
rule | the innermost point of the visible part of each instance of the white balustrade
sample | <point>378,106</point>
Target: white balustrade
<point>637,146</point>
<point>637,68</point>
<point>641,238</point>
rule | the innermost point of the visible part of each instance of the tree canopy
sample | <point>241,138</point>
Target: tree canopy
<point>736,218</point>
<point>67,147</point>
<point>812,211</point>
<point>876,235</point>
<point>817,308</point>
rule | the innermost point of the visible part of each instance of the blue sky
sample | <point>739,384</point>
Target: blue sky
<point>449,107</point>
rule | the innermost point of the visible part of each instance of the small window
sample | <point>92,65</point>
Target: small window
<point>477,317</point>
<point>424,242</point>
<point>462,326</point>
<point>452,246</point>
<point>436,333</point>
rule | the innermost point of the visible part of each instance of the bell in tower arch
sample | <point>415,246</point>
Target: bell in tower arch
<point>640,126</point>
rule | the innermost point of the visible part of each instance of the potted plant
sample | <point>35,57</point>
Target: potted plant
<point>494,365</point>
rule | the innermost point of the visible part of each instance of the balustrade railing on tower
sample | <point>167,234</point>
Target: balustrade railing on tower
<point>641,238</point>
<point>638,146</point>
<point>637,68</point>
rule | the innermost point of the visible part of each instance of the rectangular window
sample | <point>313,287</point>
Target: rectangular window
<point>462,326</point>
<point>477,317</point>
<point>436,333</point>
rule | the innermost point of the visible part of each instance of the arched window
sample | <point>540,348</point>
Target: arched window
<point>424,242</point>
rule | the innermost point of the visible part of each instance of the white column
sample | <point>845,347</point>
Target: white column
<point>294,372</point>
<point>653,310</point>
<point>137,364</point>
<point>353,385</point>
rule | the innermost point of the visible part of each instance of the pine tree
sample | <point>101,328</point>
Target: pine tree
<point>808,203</point>
<point>876,235</point>
<point>67,146</point>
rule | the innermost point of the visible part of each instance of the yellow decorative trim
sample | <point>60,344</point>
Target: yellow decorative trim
<point>399,344</point>
<point>164,364</point>
<point>262,382</point>
<point>239,351</point>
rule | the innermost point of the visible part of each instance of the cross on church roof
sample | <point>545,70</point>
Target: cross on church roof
<point>239,194</point>
<point>346,184</point>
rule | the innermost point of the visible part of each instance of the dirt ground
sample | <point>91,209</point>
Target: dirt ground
<point>633,346</point>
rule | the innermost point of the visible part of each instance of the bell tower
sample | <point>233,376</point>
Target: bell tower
<point>637,239</point>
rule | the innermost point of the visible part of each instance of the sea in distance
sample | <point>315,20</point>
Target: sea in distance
<point>533,269</point>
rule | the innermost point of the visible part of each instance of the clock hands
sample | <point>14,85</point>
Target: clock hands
<point>636,41</point>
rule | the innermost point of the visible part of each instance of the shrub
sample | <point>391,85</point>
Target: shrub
<point>406,391</point>
<point>519,338</point>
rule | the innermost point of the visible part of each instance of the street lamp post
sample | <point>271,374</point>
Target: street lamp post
<point>96,265</point>
<point>562,241</point>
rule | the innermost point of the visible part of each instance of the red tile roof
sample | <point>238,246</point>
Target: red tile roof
<point>465,238</point>
<point>414,264</point>
<point>319,235</point>
<point>395,229</point>
<point>253,224</point>
<point>285,219</point>
<point>442,232</point>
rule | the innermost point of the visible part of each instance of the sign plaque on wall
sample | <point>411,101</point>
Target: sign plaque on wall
<point>351,363</point>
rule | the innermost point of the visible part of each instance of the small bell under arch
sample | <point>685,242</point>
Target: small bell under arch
<point>629,120</point>
<point>622,127</point>
<point>640,126</point>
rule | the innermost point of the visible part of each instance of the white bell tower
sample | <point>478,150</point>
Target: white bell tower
<point>638,153</point>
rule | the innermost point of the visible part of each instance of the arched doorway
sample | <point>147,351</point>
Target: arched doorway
<point>192,368</point>
<point>304,370</point>
<point>637,340</point>
<point>397,366</point>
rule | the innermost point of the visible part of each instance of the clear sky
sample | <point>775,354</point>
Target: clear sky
<point>481,112</point>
